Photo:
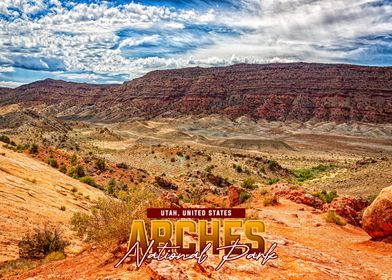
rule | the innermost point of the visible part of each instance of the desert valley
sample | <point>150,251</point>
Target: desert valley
<point>307,148</point>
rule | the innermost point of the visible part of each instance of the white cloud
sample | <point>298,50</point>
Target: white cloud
<point>10,84</point>
<point>85,38</point>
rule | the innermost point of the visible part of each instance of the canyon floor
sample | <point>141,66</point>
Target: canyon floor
<point>356,160</point>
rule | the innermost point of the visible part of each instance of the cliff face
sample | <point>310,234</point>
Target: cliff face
<point>299,91</point>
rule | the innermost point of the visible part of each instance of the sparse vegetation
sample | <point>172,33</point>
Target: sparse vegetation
<point>41,243</point>
<point>325,196</point>
<point>54,256</point>
<point>272,164</point>
<point>371,198</point>
<point>244,196</point>
<point>109,219</point>
<point>122,165</point>
<point>270,200</point>
<point>52,162</point>
<point>249,184</point>
<point>74,160</point>
<point>100,164</point>
<point>62,208</point>
<point>332,217</point>
<point>88,180</point>
<point>34,149</point>
<point>5,139</point>
<point>76,172</point>
<point>63,168</point>
<point>237,168</point>
<point>305,174</point>
<point>271,181</point>
<point>209,168</point>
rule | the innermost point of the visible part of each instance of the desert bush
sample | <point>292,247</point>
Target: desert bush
<point>263,191</point>
<point>74,160</point>
<point>244,196</point>
<point>41,243</point>
<point>111,186</point>
<point>52,162</point>
<point>172,160</point>
<point>63,168</point>
<point>271,181</point>
<point>325,196</point>
<point>54,256</point>
<point>122,165</point>
<point>304,174</point>
<point>249,184</point>
<point>209,158</point>
<point>18,266</point>
<point>270,200</point>
<point>110,219</point>
<point>208,168</point>
<point>187,157</point>
<point>371,198</point>
<point>100,164</point>
<point>5,139</point>
<point>88,180</point>
<point>196,195</point>
<point>34,149</point>
<point>272,164</point>
<point>62,208</point>
<point>76,172</point>
<point>238,168</point>
<point>332,217</point>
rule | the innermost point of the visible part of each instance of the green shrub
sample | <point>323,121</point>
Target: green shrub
<point>100,164</point>
<point>34,149</point>
<point>244,196</point>
<point>371,198</point>
<point>270,200</point>
<point>112,186</point>
<point>238,168</point>
<point>41,243</point>
<point>271,181</point>
<point>110,218</point>
<point>5,139</point>
<point>88,180</point>
<point>332,217</point>
<point>272,164</point>
<point>52,162</point>
<point>249,184</point>
<point>122,165</point>
<point>76,172</point>
<point>54,256</point>
<point>74,160</point>
<point>304,174</point>
<point>63,168</point>
<point>325,196</point>
<point>209,168</point>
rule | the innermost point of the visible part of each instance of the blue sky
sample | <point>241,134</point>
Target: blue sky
<point>113,41</point>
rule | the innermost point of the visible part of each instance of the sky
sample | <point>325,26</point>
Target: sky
<point>98,41</point>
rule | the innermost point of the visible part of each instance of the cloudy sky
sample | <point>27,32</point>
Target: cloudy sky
<point>113,41</point>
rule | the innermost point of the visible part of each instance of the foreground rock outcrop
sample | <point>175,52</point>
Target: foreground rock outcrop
<point>377,218</point>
